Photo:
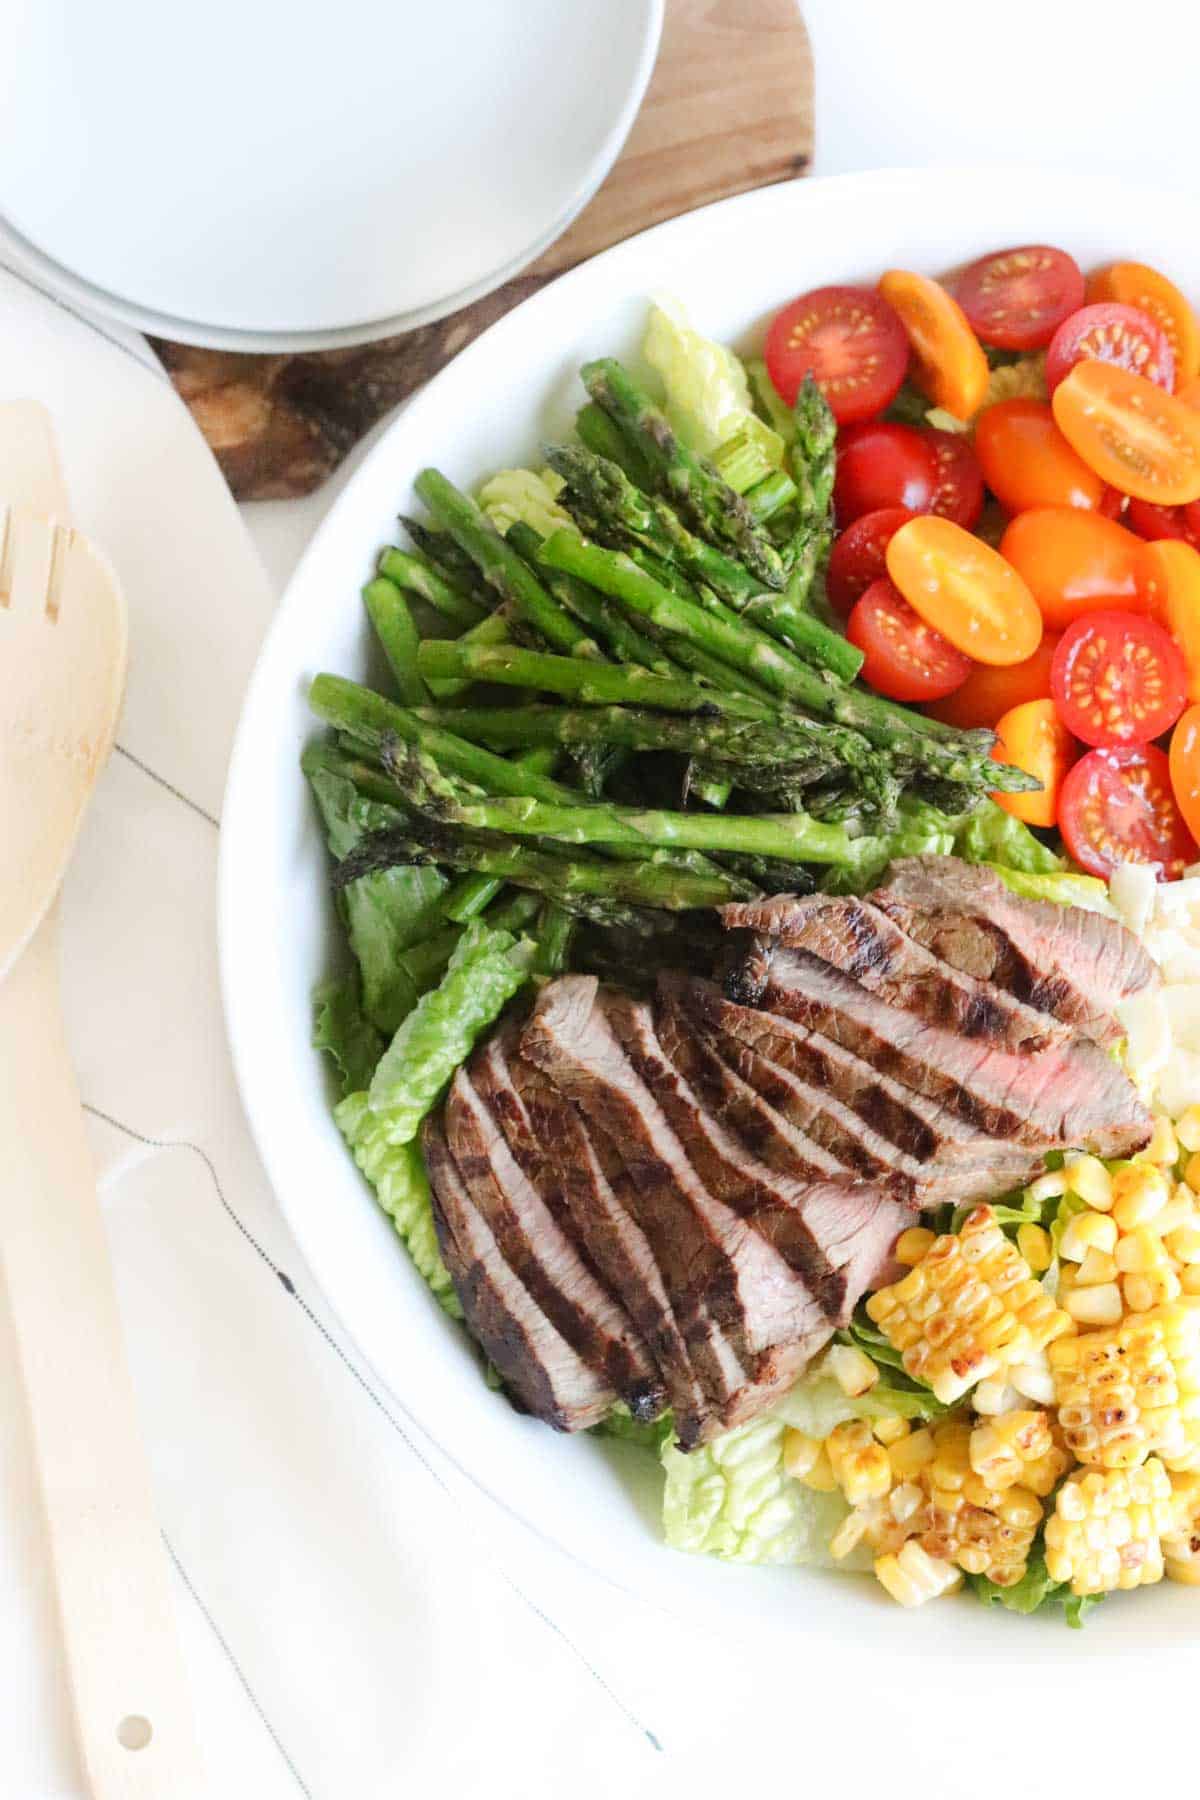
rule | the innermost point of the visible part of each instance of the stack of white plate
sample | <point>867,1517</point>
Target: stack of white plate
<point>304,175</point>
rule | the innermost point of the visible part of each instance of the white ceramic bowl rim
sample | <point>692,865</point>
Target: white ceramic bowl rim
<point>512,386</point>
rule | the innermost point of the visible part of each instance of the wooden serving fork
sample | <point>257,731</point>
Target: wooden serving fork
<point>62,673</point>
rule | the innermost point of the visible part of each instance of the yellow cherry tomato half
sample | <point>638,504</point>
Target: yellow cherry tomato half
<point>966,590</point>
<point>1169,580</point>
<point>951,366</point>
<point>1138,438</point>
<point>1185,768</point>
<point>1033,737</point>
<point>1135,284</point>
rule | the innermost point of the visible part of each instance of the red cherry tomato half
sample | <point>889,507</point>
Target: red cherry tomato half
<point>1153,522</point>
<point>850,339</point>
<point>1110,332</point>
<point>1016,299</point>
<point>905,659</point>
<point>859,556</point>
<point>1116,806</point>
<point>1117,678</point>
<point>1112,503</point>
<point>881,465</point>
<point>959,493</point>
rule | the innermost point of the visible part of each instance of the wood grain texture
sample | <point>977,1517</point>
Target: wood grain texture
<point>729,108</point>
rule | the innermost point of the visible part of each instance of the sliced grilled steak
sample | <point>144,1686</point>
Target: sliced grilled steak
<point>536,1363</point>
<point>756,1042</point>
<point>867,945</point>
<point>716,1266</point>
<point>1071,1096</point>
<point>1076,965</point>
<point>542,1255</point>
<point>553,1146</point>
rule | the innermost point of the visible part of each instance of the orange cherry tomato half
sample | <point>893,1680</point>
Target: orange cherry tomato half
<point>988,693</point>
<point>1184,761</point>
<point>1033,737</point>
<point>1027,461</point>
<point>950,364</point>
<point>1074,561</point>
<point>903,657</point>
<point>965,590</point>
<point>1189,392</point>
<point>1134,435</point>
<point>1169,572</point>
<point>1116,806</point>
<point>1117,679</point>
<point>1134,284</point>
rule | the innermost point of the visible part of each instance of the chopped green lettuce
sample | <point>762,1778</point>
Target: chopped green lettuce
<point>342,1028</point>
<point>483,974</point>
<point>532,498</point>
<point>991,835</point>
<point>1066,887</point>
<point>397,1174</point>
<point>1034,1591</point>
<point>647,1434</point>
<point>707,394</point>
<point>734,1499</point>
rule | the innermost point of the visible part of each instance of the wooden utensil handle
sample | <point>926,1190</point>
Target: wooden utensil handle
<point>125,1669</point>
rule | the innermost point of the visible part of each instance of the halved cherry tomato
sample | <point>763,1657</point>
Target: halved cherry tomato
<point>1108,332</point>
<point>1169,573</point>
<point>1033,737</point>
<point>882,465</point>
<point>858,556</point>
<point>1015,299</point>
<point>1116,806</point>
<point>951,367</point>
<point>904,658</point>
<point>1074,561</point>
<point>960,479</point>
<point>1189,392</point>
<point>1152,522</point>
<point>1142,440</point>
<point>1117,679</point>
<point>988,693</point>
<point>965,590</point>
<point>1184,761</point>
<point>1133,284</point>
<point>1027,461</point>
<point>1112,504</point>
<point>849,339</point>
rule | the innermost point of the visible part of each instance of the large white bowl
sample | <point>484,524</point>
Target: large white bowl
<point>733,263</point>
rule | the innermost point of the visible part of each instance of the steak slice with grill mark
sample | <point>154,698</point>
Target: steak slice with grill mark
<point>534,1360</point>
<point>552,1144</point>
<point>1076,965</point>
<point>921,1126</point>
<point>542,1255</point>
<point>864,943</point>
<point>713,1262</point>
<point>1070,1096</point>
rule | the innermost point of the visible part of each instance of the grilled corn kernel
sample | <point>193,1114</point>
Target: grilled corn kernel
<point>912,1577</point>
<point>1163,1147</point>
<point>905,1501</point>
<point>995,1395</point>
<point>1133,1391</point>
<point>1184,1243</point>
<point>1094,1305</point>
<point>1107,1528</point>
<point>891,1429</point>
<point>1000,1450</point>
<point>801,1453</point>
<point>1143,1292</point>
<point>1191,1173</point>
<point>1096,1269</point>
<point>967,1309</point>
<point>1139,1192</point>
<point>985,1530</point>
<point>1187,1128</point>
<point>861,1466</point>
<point>911,1454</point>
<point>1034,1244</point>
<point>1088,1231</point>
<point>913,1244</point>
<point>1179,1210</point>
<point>1189,1279</point>
<point>1089,1178</point>
<point>1181,1545</point>
<point>1048,1187</point>
<point>852,1369</point>
<point>1033,1380</point>
<point>1140,1251</point>
<point>849,1535</point>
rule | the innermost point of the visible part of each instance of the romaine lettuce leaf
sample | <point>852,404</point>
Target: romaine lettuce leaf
<point>522,494</point>
<point>991,835</point>
<point>1034,1591</point>
<point>1066,887</point>
<point>397,1174</point>
<point>341,1028</point>
<point>707,393</point>
<point>734,1499</point>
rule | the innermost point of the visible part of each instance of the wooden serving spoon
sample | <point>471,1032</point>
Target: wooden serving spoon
<point>63,654</point>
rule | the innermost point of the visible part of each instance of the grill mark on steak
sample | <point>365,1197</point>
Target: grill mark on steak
<point>542,1255</point>
<point>535,1362</point>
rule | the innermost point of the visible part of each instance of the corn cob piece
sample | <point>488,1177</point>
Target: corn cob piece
<point>1132,1391</point>
<point>1181,1545</point>
<point>968,1308</point>
<point>1019,1448</point>
<point>1108,1526</point>
<point>980,1529</point>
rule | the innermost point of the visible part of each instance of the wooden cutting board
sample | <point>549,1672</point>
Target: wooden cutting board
<point>729,108</point>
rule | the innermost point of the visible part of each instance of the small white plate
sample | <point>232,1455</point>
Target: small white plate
<point>733,264</point>
<point>310,188</point>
